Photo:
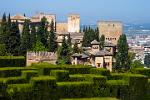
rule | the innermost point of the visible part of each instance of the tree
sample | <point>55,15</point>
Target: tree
<point>3,30</point>
<point>76,48</point>
<point>25,39</point>
<point>122,61</point>
<point>42,32</point>
<point>64,53</point>
<point>3,51</point>
<point>52,39</point>
<point>39,46</point>
<point>69,40</point>
<point>147,60</point>
<point>33,36</point>
<point>97,34</point>
<point>137,64</point>
<point>14,39</point>
<point>102,42</point>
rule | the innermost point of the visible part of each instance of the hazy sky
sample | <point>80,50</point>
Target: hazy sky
<point>128,11</point>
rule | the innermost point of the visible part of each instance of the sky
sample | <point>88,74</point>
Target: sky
<point>127,11</point>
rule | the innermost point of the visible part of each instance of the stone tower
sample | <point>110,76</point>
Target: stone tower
<point>111,29</point>
<point>74,23</point>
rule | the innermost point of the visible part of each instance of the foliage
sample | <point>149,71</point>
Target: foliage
<point>137,64</point>
<point>102,41</point>
<point>39,46</point>
<point>33,36</point>
<point>13,61</point>
<point>122,61</point>
<point>147,60</point>
<point>3,51</point>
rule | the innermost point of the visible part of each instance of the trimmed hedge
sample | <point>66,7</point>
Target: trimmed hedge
<point>100,71</point>
<point>142,71</point>
<point>12,71</point>
<point>13,61</point>
<point>106,98</point>
<point>60,75</point>
<point>19,92</point>
<point>28,74</point>
<point>44,88</point>
<point>75,89</point>
<point>14,80</point>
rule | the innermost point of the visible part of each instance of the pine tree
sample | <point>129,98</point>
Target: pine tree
<point>33,36</point>
<point>102,41</point>
<point>42,33</point>
<point>25,39</point>
<point>52,39</point>
<point>122,54</point>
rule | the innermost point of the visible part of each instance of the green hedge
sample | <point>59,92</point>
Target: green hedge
<point>60,75</point>
<point>20,92</point>
<point>28,74</point>
<point>14,80</point>
<point>13,71</point>
<point>75,89</point>
<point>142,71</point>
<point>44,88</point>
<point>106,98</point>
<point>100,71</point>
<point>12,61</point>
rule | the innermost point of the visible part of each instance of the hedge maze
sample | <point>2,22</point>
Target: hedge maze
<point>54,82</point>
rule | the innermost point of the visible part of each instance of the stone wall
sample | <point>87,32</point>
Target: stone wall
<point>111,29</point>
<point>37,57</point>
<point>61,28</point>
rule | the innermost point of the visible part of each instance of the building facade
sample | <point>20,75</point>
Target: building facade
<point>111,29</point>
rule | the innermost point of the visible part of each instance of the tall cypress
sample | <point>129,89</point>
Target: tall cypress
<point>52,44</point>
<point>42,33</point>
<point>122,54</point>
<point>102,42</point>
<point>25,38</point>
<point>33,36</point>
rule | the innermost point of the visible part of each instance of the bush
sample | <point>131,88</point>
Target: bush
<point>77,69</point>
<point>12,61</point>
<point>14,80</point>
<point>19,92</point>
<point>142,71</point>
<point>60,75</point>
<point>29,73</point>
<point>100,71</point>
<point>44,88</point>
<point>106,98</point>
<point>75,89</point>
<point>117,76</point>
<point>12,71</point>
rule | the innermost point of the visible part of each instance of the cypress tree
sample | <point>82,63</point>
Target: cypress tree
<point>122,54</point>
<point>76,48</point>
<point>3,30</point>
<point>52,39</point>
<point>64,53</point>
<point>33,36</point>
<point>69,40</point>
<point>25,38</point>
<point>102,41</point>
<point>42,31</point>
<point>97,34</point>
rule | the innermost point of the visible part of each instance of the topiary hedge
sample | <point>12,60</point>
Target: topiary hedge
<point>44,88</point>
<point>100,71</point>
<point>75,89</point>
<point>142,71</point>
<point>60,75</point>
<point>12,61</point>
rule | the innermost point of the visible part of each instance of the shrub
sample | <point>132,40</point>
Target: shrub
<point>14,80</point>
<point>29,73</point>
<point>75,89</point>
<point>142,71</point>
<point>19,92</point>
<point>77,69</point>
<point>13,61</point>
<point>44,88</point>
<point>117,76</point>
<point>100,71</point>
<point>12,71</point>
<point>60,75</point>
